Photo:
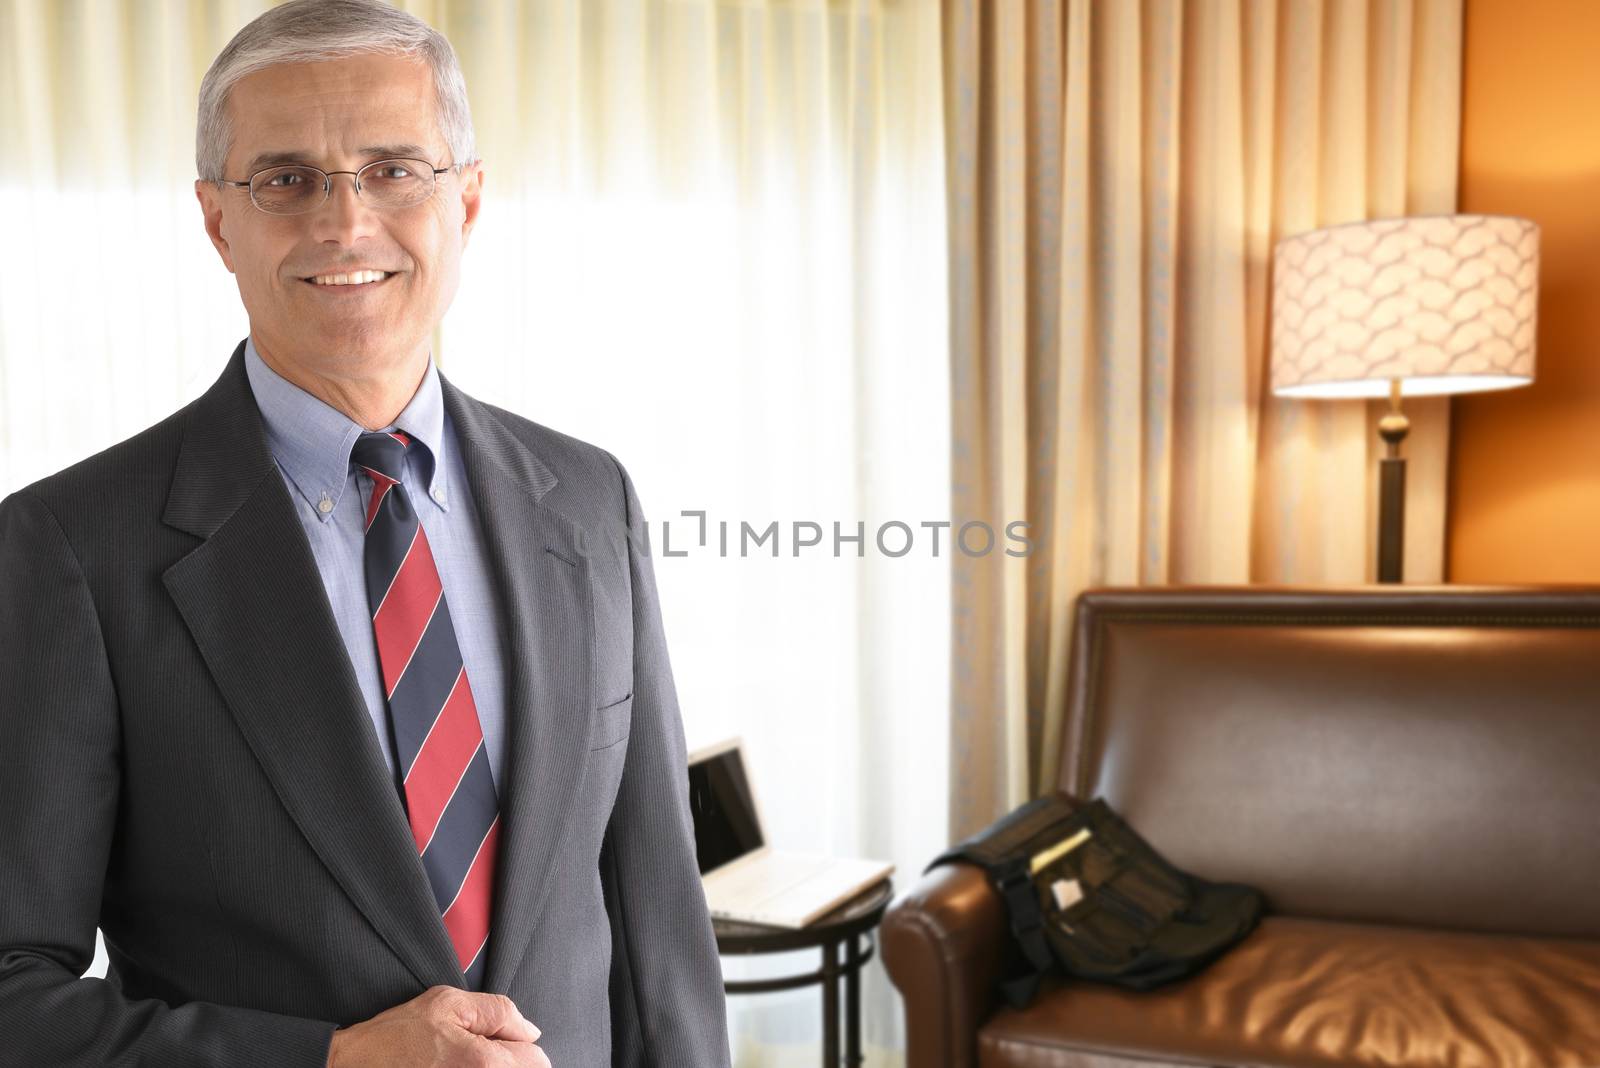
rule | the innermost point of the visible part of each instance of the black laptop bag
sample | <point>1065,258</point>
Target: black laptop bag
<point>1087,897</point>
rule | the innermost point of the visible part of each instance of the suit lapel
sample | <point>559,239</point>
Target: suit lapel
<point>282,668</point>
<point>250,594</point>
<point>542,578</point>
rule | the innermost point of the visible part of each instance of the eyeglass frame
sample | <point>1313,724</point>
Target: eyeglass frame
<point>327,182</point>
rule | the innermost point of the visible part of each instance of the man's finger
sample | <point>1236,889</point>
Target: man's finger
<point>497,1016</point>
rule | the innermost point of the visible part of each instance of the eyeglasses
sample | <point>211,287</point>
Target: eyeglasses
<point>297,189</point>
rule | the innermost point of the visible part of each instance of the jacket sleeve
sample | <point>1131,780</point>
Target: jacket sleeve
<point>60,778</point>
<point>668,1006</point>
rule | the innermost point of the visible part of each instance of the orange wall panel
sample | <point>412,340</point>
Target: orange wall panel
<point>1525,463</point>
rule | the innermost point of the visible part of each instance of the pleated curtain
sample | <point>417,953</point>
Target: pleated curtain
<point>1118,173</point>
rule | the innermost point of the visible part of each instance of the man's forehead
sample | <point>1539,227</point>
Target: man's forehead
<point>272,157</point>
<point>366,106</point>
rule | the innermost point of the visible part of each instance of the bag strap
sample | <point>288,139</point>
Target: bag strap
<point>1004,851</point>
<point>1015,885</point>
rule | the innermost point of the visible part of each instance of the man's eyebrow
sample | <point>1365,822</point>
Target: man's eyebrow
<point>273,159</point>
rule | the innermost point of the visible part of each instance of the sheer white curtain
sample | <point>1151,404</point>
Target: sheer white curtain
<point>713,242</point>
<point>114,308</point>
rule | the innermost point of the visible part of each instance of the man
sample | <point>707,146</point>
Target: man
<point>340,699</point>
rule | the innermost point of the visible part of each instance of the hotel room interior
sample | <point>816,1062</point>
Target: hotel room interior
<point>1187,404</point>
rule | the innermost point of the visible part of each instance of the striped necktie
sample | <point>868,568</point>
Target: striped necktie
<point>438,743</point>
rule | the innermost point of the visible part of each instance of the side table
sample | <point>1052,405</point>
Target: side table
<point>846,925</point>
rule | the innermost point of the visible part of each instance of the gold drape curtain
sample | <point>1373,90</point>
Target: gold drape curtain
<point>1118,173</point>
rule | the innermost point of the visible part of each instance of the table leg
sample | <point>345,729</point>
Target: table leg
<point>852,1003</point>
<point>830,1005</point>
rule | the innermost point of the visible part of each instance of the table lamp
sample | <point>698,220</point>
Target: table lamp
<point>1417,306</point>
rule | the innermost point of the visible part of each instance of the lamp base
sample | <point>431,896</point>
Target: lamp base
<point>1392,489</point>
<point>1391,517</point>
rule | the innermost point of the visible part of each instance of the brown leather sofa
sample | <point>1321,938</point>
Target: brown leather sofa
<point>1412,777</point>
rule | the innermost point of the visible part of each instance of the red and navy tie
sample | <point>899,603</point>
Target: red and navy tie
<point>438,743</point>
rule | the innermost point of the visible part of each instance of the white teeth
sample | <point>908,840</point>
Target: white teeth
<point>349,279</point>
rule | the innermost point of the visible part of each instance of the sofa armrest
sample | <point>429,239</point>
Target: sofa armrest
<point>944,947</point>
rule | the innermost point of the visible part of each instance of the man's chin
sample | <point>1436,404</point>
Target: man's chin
<point>351,343</point>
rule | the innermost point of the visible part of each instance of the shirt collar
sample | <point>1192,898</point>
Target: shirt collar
<point>312,440</point>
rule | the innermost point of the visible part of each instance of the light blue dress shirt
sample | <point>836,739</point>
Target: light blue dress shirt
<point>311,443</point>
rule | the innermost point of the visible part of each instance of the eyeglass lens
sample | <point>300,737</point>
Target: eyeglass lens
<point>390,183</point>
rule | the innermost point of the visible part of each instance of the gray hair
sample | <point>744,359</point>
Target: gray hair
<point>303,31</point>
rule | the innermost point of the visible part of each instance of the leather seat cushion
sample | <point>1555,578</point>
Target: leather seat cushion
<point>1301,993</point>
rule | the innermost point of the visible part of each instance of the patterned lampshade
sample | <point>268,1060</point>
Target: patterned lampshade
<point>1444,303</point>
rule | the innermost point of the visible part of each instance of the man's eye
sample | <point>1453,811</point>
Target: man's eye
<point>393,170</point>
<point>286,179</point>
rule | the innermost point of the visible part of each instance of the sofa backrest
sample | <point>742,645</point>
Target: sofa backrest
<point>1415,755</point>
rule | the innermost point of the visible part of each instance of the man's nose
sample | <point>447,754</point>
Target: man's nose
<point>345,216</point>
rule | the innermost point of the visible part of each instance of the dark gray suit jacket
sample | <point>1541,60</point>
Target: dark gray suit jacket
<point>186,762</point>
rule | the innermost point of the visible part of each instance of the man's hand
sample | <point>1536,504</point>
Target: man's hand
<point>443,1027</point>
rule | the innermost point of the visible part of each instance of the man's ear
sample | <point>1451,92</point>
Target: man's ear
<point>211,207</point>
<point>471,198</point>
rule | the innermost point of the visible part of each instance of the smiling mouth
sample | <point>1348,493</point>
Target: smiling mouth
<point>351,280</point>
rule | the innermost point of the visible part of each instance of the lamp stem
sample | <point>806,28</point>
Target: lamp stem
<point>1392,428</point>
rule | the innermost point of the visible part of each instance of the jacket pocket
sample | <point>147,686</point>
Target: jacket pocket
<point>611,723</point>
